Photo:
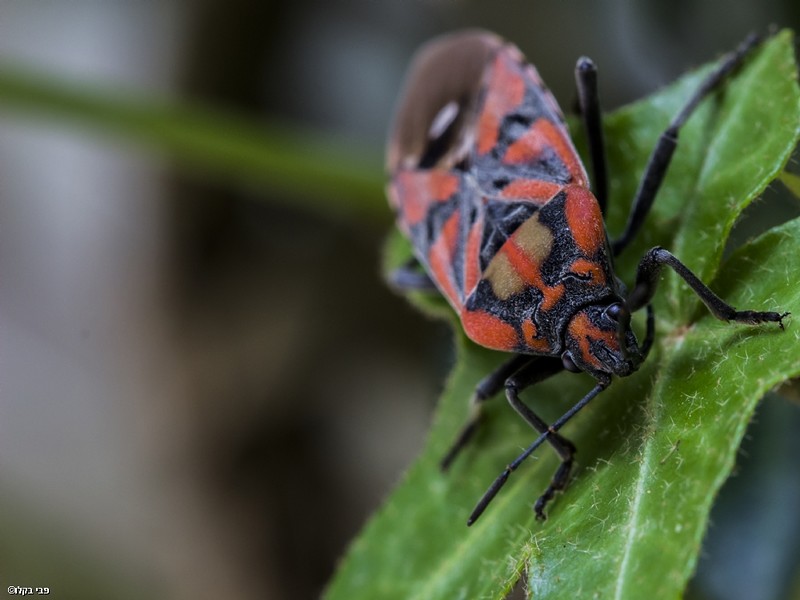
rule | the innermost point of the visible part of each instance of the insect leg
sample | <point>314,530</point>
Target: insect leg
<point>589,103</point>
<point>661,156</point>
<point>564,448</point>
<point>503,477</point>
<point>647,280</point>
<point>489,386</point>
<point>649,337</point>
<point>410,278</point>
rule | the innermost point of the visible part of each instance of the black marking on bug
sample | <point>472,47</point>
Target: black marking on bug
<point>501,219</point>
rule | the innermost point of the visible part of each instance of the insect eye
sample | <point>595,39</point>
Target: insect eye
<point>614,311</point>
<point>569,364</point>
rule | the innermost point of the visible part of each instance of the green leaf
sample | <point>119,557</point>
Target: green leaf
<point>656,447</point>
<point>729,151</point>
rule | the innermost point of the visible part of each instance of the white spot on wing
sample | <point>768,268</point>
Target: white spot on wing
<point>443,120</point>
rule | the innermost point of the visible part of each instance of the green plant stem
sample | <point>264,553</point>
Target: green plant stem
<point>327,176</point>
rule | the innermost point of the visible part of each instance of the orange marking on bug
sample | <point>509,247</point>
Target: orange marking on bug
<point>440,258</point>
<point>518,263</point>
<point>531,189</point>
<point>532,244</point>
<point>443,185</point>
<point>559,139</point>
<point>410,197</point>
<point>528,147</point>
<point>412,192</point>
<point>528,267</point>
<point>584,219</point>
<point>541,135</point>
<point>587,267</point>
<point>449,234</point>
<point>472,271</point>
<point>551,295</point>
<point>505,91</point>
<point>529,332</point>
<point>489,331</point>
<point>395,194</point>
<point>582,329</point>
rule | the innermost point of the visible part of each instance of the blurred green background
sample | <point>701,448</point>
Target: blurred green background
<point>205,386</point>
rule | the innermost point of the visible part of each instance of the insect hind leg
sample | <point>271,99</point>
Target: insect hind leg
<point>489,386</point>
<point>410,277</point>
<point>565,449</point>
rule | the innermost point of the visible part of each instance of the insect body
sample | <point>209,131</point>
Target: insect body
<point>488,187</point>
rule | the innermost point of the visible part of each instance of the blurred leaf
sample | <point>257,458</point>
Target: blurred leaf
<point>397,253</point>
<point>751,551</point>
<point>729,151</point>
<point>325,175</point>
<point>790,390</point>
<point>656,447</point>
<point>792,182</point>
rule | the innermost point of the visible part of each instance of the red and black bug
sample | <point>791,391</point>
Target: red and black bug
<point>487,185</point>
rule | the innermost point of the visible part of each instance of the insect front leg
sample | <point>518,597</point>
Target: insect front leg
<point>565,449</point>
<point>661,157</point>
<point>647,280</point>
<point>489,386</point>
<point>501,480</point>
<point>589,103</point>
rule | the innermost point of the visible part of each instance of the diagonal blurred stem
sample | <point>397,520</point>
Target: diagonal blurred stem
<point>328,176</point>
<point>791,181</point>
